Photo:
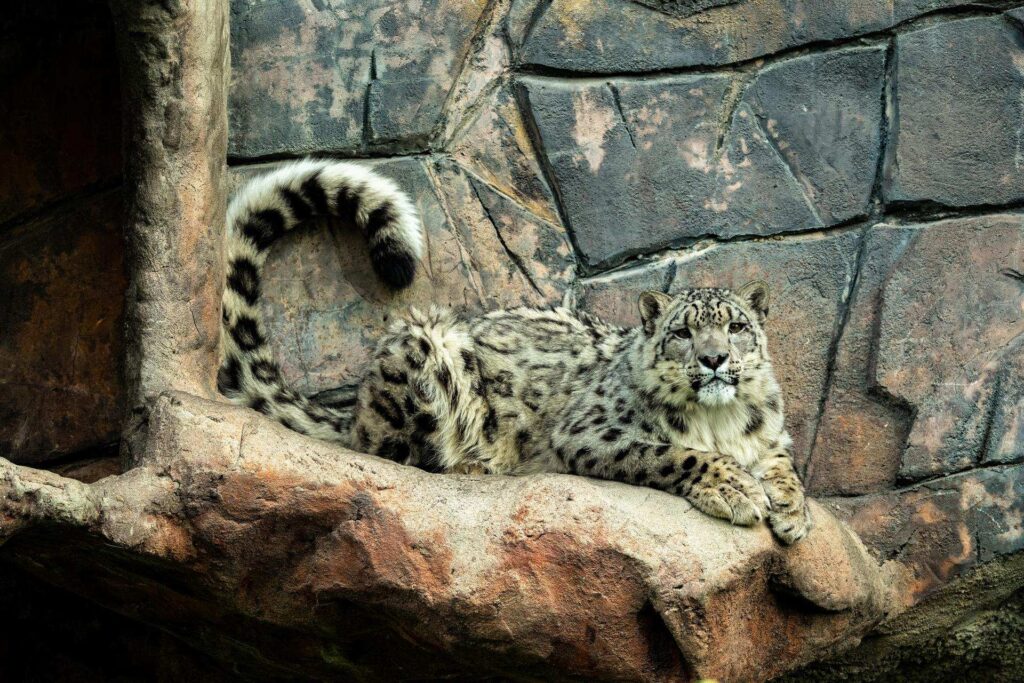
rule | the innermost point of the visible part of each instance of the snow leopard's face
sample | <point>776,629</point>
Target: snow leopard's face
<point>706,346</point>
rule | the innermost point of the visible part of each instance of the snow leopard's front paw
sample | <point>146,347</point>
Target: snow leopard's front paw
<point>791,525</point>
<point>790,518</point>
<point>723,489</point>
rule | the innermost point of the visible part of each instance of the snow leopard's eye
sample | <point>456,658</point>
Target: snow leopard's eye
<point>682,333</point>
<point>736,328</point>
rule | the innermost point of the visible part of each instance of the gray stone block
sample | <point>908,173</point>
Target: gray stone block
<point>824,113</point>
<point>641,165</point>
<point>608,36</point>
<point>960,129</point>
<point>307,77</point>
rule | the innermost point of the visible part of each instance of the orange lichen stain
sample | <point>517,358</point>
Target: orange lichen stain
<point>966,555</point>
<point>550,583</point>
<point>573,15</point>
<point>170,540</point>
<point>521,513</point>
<point>929,513</point>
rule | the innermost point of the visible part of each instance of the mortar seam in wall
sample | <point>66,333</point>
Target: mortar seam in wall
<point>547,171</point>
<point>739,84</point>
<point>930,483</point>
<point>682,246</point>
<point>887,130</point>
<point>842,319</point>
<point>761,62</point>
<point>897,214</point>
<point>617,101</point>
<point>431,169</point>
<point>989,417</point>
<point>366,141</point>
<point>337,154</point>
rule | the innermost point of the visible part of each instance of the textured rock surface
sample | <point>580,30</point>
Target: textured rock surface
<point>938,530</point>
<point>316,77</point>
<point>588,36</point>
<point>862,430</point>
<point>63,281</point>
<point>640,165</point>
<point>950,331</point>
<point>331,555</point>
<point>174,60</point>
<point>971,72</point>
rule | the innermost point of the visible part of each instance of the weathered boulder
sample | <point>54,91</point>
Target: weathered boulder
<point>273,547</point>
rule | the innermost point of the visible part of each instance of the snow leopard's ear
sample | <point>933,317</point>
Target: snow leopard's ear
<point>755,294</point>
<point>652,305</point>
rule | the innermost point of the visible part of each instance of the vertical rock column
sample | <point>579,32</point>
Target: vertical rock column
<point>175,67</point>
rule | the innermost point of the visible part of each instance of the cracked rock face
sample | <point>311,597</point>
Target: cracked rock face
<point>861,157</point>
<point>316,77</point>
<point>331,564</point>
<point>641,165</point>
<point>589,36</point>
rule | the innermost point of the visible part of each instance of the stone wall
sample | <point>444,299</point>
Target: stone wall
<point>864,158</point>
<point>62,270</point>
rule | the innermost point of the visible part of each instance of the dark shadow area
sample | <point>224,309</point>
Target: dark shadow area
<point>62,270</point>
<point>51,635</point>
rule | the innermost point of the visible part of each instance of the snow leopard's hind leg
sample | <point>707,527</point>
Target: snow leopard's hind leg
<point>421,401</point>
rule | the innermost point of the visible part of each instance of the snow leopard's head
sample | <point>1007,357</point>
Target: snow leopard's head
<point>706,346</point>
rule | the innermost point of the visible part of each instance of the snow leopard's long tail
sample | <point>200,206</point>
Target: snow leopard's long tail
<point>262,211</point>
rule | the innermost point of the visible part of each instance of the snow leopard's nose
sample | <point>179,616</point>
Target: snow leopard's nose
<point>712,362</point>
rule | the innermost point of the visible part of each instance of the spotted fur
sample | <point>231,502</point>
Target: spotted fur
<point>687,402</point>
<point>260,213</point>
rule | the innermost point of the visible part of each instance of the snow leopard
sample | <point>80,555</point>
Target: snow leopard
<point>686,402</point>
